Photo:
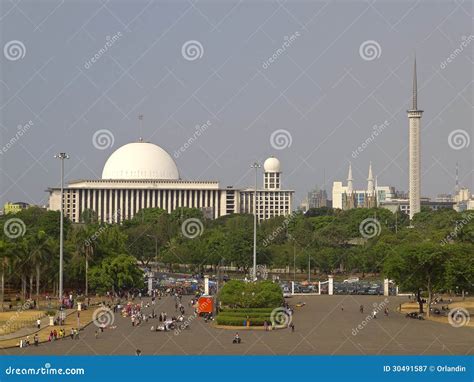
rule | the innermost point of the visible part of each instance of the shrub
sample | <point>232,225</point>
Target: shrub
<point>262,294</point>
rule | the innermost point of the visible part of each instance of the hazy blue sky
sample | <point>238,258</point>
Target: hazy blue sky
<point>323,89</point>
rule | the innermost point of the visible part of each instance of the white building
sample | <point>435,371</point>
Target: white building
<point>143,175</point>
<point>346,197</point>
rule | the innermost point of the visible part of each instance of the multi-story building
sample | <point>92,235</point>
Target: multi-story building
<point>13,208</point>
<point>346,197</point>
<point>143,175</point>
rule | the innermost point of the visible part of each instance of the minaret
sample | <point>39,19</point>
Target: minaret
<point>349,180</point>
<point>370,182</point>
<point>414,117</point>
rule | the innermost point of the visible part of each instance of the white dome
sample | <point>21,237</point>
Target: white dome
<point>272,164</point>
<point>140,160</point>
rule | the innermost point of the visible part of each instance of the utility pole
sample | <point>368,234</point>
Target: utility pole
<point>256,166</point>
<point>61,156</point>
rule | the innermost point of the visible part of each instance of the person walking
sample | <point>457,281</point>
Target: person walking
<point>361,308</point>
<point>36,339</point>
<point>292,326</point>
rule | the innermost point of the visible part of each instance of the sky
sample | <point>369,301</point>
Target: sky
<point>305,81</point>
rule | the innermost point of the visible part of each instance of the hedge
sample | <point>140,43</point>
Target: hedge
<point>235,321</point>
<point>247,310</point>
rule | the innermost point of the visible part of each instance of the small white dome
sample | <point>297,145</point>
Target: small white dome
<point>140,160</point>
<point>272,164</point>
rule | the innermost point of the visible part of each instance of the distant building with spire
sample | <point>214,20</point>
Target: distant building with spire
<point>346,197</point>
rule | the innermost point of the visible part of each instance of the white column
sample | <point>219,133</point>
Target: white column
<point>319,287</point>
<point>125,213</point>
<point>385,287</point>
<point>206,285</point>
<point>331,285</point>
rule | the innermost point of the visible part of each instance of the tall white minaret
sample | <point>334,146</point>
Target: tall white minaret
<point>414,117</point>
<point>370,182</point>
<point>350,187</point>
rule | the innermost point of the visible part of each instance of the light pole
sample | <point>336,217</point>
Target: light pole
<point>61,156</point>
<point>256,166</point>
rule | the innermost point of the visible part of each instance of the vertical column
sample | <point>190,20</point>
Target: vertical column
<point>331,285</point>
<point>385,287</point>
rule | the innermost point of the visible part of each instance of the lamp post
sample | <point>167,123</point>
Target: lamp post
<point>61,156</point>
<point>256,166</point>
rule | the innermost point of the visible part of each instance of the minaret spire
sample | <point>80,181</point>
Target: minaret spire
<point>415,87</point>
<point>370,181</point>
<point>349,179</point>
<point>414,154</point>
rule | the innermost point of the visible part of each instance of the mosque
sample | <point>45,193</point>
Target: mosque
<point>143,175</point>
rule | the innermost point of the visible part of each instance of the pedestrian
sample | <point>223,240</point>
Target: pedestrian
<point>361,308</point>
<point>96,334</point>
<point>374,313</point>
<point>386,311</point>
<point>36,339</point>
<point>72,333</point>
<point>138,352</point>
<point>38,323</point>
<point>292,326</point>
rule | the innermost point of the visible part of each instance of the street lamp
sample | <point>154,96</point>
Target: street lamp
<point>256,166</point>
<point>61,156</point>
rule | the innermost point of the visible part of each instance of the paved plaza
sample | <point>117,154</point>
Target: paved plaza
<point>325,325</point>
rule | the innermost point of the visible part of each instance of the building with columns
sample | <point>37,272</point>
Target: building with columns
<point>143,175</point>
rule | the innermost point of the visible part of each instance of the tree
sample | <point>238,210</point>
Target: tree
<point>117,273</point>
<point>417,267</point>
